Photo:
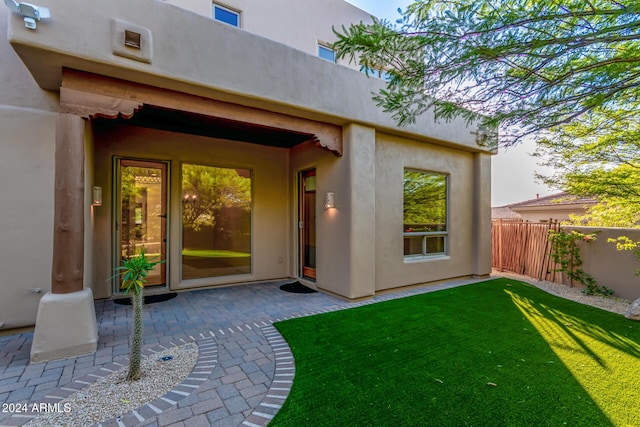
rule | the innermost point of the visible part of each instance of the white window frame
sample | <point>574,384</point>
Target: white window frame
<point>373,72</point>
<point>226,9</point>
<point>327,48</point>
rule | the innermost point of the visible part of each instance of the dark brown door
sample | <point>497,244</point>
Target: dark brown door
<point>142,214</point>
<point>307,227</point>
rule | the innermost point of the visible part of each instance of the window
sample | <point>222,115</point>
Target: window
<point>226,15</point>
<point>425,213</point>
<point>327,53</point>
<point>216,221</point>
<point>372,72</point>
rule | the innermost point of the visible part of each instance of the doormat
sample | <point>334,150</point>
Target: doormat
<point>297,288</point>
<point>148,299</point>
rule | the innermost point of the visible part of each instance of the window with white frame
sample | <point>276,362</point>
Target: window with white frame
<point>425,228</point>
<point>372,72</point>
<point>226,15</point>
<point>325,52</point>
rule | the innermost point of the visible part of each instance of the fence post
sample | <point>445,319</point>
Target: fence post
<point>500,245</point>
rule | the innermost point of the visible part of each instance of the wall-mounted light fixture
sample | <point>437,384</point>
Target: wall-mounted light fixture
<point>31,12</point>
<point>329,200</point>
<point>96,196</point>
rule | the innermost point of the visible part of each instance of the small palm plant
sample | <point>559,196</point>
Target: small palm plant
<point>134,271</point>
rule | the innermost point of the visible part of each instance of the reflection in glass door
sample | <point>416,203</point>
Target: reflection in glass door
<point>141,221</point>
<point>308,223</point>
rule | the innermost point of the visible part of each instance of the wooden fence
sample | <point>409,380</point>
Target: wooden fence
<point>524,248</point>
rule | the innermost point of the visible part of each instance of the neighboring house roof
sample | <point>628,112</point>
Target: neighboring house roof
<point>563,199</point>
<point>504,212</point>
<point>557,206</point>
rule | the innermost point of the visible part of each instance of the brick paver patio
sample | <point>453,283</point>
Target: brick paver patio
<point>244,371</point>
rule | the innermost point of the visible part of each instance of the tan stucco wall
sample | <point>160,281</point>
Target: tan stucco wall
<point>254,71</point>
<point>481,226</point>
<point>27,144</point>
<point>333,269</point>
<point>360,243</point>
<point>610,267</point>
<point>345,234</point>
<point>201,7</point>
<point>271,216</point>
<point>300,24</point>
<point>213,59</point>
<point>393,155</point>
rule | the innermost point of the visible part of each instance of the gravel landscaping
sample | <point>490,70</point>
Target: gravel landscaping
<point>112,395</point>
<point>613,304</point>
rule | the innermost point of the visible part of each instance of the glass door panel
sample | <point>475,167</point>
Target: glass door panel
<point>142,214</point>
<point>308,223</point>
<point>216,221</point>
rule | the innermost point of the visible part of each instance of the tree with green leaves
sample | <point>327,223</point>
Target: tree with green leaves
<point>210,189</point>
<point>565,73</point>
<point>425,201</point>
<point>526,66</point>
<point>598,156</point>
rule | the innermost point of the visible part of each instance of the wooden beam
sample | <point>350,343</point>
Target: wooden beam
<point>68,233</point>
<point>113,95</point>
<point>91,105</point>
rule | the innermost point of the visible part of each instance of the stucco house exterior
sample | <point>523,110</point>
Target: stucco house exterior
<point>225,139</point>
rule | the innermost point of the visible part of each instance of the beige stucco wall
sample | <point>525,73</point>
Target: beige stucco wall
<point>610,267</point>
<point>300,24</point>
<point>333,268</point>
<point>271,216</point>
<point>345,234</point>
<point>201,7</point>
<point>254,71</point>
<point>27,143</point>
<point>393,155</point>
<point>213,59</point>
<point>481,226</point>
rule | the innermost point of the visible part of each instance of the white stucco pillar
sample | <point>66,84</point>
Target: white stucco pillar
<point>360,152</point>
<point>481,214</point>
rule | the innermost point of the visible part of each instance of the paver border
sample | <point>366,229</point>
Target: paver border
<point>201,372</point>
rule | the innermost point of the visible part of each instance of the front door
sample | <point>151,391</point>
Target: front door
<point>141,214</point>
<point>307,224</point>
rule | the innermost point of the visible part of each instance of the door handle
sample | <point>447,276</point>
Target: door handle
<point>162,215</point>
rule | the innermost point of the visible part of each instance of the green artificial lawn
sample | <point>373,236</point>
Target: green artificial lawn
<point>214,253</point>
<point>495,353</point>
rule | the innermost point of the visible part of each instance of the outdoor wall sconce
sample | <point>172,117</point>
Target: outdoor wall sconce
<point>329,200</point>
<point>96,197</point>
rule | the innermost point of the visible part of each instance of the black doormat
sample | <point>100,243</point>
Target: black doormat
<point>297,288</point>
<point>148,299</point>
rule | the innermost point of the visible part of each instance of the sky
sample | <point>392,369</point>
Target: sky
<point>512,170</point>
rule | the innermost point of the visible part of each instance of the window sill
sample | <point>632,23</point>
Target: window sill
<point>425,258</point>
